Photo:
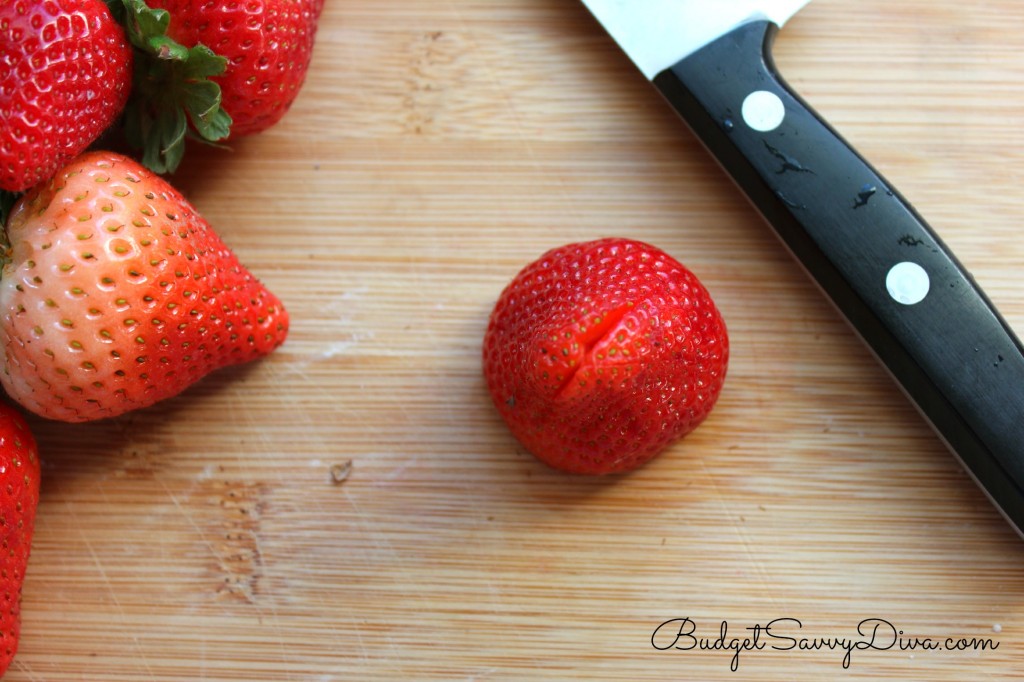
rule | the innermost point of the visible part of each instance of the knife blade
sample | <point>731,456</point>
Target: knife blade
<point>886,270</point>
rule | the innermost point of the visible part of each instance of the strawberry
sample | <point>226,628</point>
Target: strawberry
<point>65,73</point>
<point>118,294</point>
<point>19,478</point>
<point>233,67</point>
<point>268,45</point>
<point>599,354</point>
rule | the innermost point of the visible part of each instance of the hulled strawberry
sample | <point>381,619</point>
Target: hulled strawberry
<point>19,497</point>
<point>117,294</point>
<point>600,354</point>
<point>65,73</point>
<point>256,53</point>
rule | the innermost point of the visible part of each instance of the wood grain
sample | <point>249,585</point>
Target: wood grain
<point>435,149</point>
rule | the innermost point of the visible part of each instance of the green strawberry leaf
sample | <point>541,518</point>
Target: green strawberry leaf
<point>167,49</point>
<point>171,89</point>
<point>144,24</point>
<point>203,105</point>
<point>203,63</point>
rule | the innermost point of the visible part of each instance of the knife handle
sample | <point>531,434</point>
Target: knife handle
<point>885,269</point>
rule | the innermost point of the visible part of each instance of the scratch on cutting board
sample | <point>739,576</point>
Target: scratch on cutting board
<point>396,472</point>
<point>24,667</point>
<point>394,558</point>
<point>275,619</point>
<point>113,596</point>
<point>354,294</point>
<point>188,517</point>
<point>736,526</point>
<point>335,349</point>
<point>327,352</point>
<point>381,543</point>
<point>353,620</point>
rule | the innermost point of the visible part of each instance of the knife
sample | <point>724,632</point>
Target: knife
<point>889,274</point>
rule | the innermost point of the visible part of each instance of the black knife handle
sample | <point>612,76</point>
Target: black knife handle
<point>950,351</point>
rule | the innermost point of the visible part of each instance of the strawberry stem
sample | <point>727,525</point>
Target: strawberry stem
<point>172,97</point>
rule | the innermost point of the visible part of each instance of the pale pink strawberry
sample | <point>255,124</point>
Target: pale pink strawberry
<point>118,294</point>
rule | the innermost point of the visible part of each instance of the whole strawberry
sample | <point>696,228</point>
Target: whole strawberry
<point>19,497</point>
<point>600,354</point>
<point>118,294</point>
<point>256,52</point>
<point>65,73</point>
<point>268,45</point>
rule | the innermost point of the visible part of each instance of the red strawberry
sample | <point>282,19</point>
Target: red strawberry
<point>600,354</point>
<point>268,45</point>
<point>119,294</point>
<point>19,477</point>
<point>257,52</point>
<point>65,73</point>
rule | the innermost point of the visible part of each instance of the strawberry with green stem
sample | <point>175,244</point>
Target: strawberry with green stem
<point>213,70</point>
<point>172,94</point>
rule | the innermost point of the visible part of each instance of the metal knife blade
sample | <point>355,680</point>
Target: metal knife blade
<point>658,33</point>
<point>888,272</point>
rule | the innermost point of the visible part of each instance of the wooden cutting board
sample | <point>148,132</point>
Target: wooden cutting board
<point>435,150</point>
